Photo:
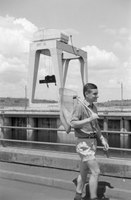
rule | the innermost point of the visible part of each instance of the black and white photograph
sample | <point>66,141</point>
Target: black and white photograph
<point>65,99</point>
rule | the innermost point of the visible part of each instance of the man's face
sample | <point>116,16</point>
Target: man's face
<point>92,96</point>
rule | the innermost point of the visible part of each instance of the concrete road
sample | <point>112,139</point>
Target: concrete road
<point>16,190</point>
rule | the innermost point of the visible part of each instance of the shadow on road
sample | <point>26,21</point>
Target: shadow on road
<point>102,185</point>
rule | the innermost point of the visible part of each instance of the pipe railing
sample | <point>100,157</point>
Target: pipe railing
<point>57,129</point>
<point>123,152</point>
<point>57,144</point>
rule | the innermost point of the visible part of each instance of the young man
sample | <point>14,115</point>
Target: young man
<point>87,129</point>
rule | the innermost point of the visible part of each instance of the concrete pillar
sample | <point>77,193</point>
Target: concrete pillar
<point>124,127</point>
<point>7,132</point>
<point>1,123</point>
<point>121,135</point>
<point>30,132</point>
<point>105,124</point>
<point>127,125</point>
<point>126,136</point>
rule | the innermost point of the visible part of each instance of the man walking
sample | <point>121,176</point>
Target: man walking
<point>86,130</point>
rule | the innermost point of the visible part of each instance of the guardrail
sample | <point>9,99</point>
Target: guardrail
<point>54,146</point>
<point>56,129</point>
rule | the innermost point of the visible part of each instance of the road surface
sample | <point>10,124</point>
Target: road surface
<point>16,190</point>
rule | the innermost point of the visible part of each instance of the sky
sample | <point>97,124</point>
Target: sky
<point>100,27</point>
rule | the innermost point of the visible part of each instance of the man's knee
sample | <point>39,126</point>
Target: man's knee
<point>94,167</point>
<point>95,172</point>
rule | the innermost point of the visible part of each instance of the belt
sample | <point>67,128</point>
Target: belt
<point>92,135</point>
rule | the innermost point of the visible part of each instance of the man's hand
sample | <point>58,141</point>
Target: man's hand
<point>93,116</point>
<point>105,143</point>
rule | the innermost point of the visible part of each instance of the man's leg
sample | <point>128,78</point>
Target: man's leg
<point>93,181</point>
<point>79,188</point>
<point>81,180</point>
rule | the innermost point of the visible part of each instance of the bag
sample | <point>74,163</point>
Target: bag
<point>66,107</point>
<point>65,121</point>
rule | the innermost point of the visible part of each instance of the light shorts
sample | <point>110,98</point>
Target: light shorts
<point>86,148</point>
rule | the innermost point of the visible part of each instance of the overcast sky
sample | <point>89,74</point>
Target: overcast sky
<point>100,27</point>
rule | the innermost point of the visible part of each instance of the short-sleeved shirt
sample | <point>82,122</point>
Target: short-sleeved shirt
<point>80,112</point>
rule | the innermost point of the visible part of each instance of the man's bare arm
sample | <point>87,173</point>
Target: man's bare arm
<point>81,123</point>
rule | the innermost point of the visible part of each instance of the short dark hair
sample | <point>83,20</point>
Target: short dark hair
<point>88,87</point>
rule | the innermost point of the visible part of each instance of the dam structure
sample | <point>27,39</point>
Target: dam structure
<point>34,146</point>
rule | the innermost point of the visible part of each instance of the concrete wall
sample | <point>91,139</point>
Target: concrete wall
<point>66,161</point>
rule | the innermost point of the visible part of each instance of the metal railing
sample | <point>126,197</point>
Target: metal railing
<point>55,146</point>
<point>57,129</point>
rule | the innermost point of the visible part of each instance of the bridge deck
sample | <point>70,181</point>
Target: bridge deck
<point>17,190</point>
<point>14,188</point>
<point>56,170</point>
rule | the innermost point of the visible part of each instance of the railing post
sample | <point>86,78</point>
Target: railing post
<point>2,124</point>
<point>7,132</point>
<point>30,132</point>
<point>121,135</point>
<point>126,136</point>
<point>105,125</point>
<point>124,127</point>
